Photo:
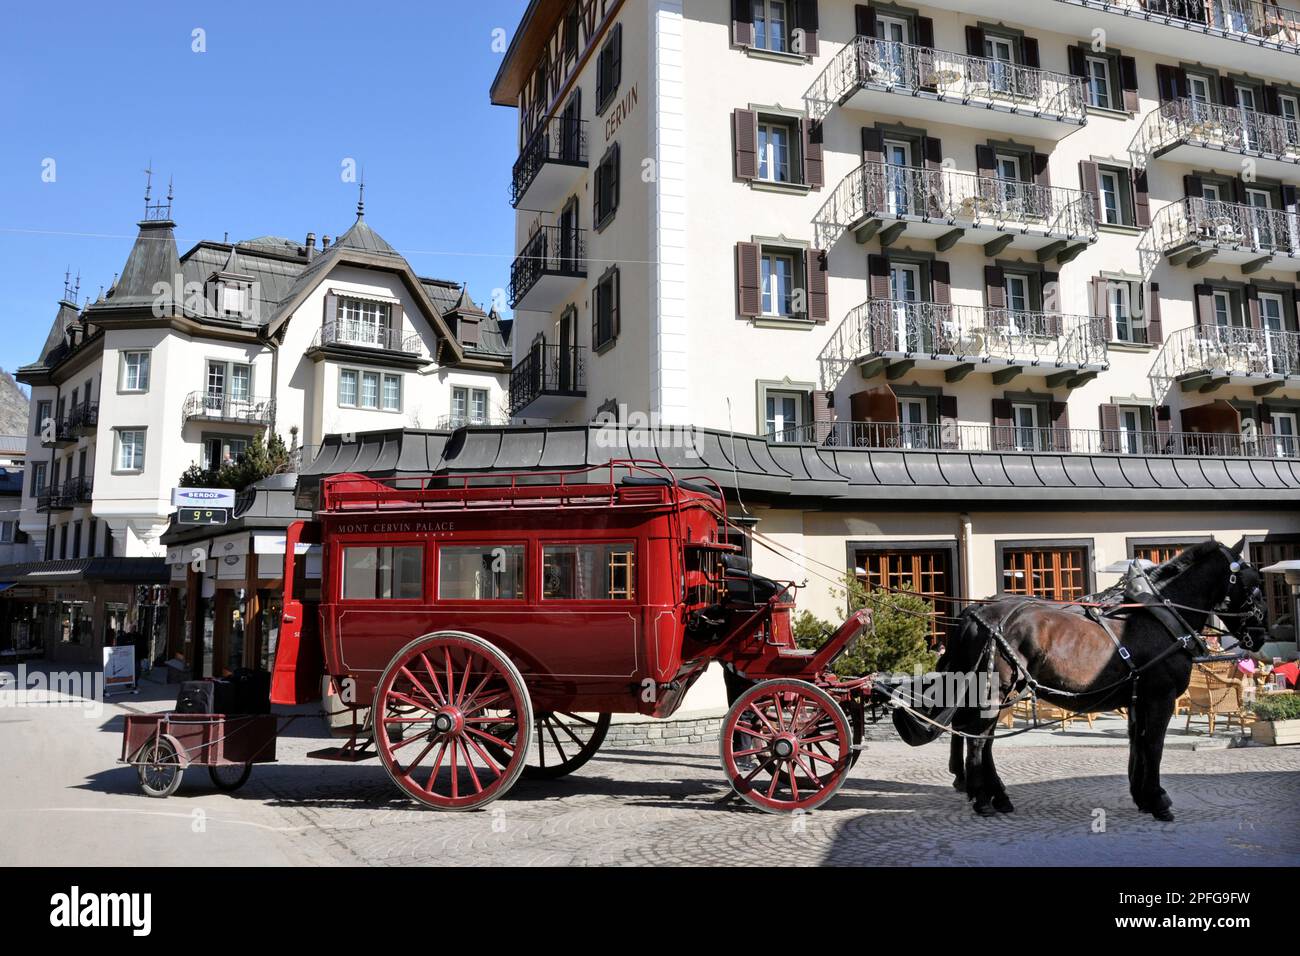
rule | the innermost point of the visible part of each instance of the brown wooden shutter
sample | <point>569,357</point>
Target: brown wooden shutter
<point>1090,177</point>
<point>744,124</point>
<point>814,166</point>
<point>949,428</point>
<point>864,20</point>
<point>1193,186</point>
<point>1003,437</point>
<point>878,277</point>
<point>818,271</point>
<point>932,149</point>
<point>1059,412</point>
<point>873,145</point>
<point>1029,53</point>
<point>1109,428</point>
<point>1050,292</point>
<point>986,162</point>
<point>1128,82</point>
<point>940,283</point>
<point>1042,175</point>
<point>925,32</point>
<point>395,316</point>
<point>995,287</point>
<point>1227,91</point>
<point>806,20</point>
<point>1252,306</point>
<point>331,309</point>
<point>1098,288</point>
<point>1078,61</point>
<point>1141,198</point>
<point>742,22</point>
<point>1155,325</point>
<point>1291,201</point>
<point>1167,84</point>
<point>1164,422</point>
<point>823,410</point>
<point>749,282</point>
<point>1204,306</point>
<point>975,41</point>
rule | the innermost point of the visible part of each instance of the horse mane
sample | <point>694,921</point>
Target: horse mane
<point>1183,560</point>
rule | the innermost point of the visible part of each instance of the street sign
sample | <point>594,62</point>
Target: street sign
<point>202,515</point>
<point>203,498</point>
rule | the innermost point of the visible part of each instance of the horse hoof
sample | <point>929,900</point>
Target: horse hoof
<point>1163,814</point>
<point>985,810</point>
<point>1002,804</point>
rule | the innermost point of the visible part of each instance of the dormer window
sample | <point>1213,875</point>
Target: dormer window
<point>364,322</point>
<point>232,299</point>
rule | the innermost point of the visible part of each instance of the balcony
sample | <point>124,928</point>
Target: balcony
<point>948,207</point>
<point>901,436</point>
<point>894,338</point>
<point>1195,231</point>
<point>62,435</point>
<point>552,266</point>
<point>229,410</point>
<point>1244,35</point>
<point>66,496</point>
<point>931,85</point>
<point>84,419</point>
<point>449,423</point>
<point>1207,357</point>
<point>547,379</point>
<point>550,165</point>
<point>350,339</point>
<point>1206,134</point>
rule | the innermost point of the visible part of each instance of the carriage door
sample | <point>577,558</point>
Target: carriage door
<point>591,620</point>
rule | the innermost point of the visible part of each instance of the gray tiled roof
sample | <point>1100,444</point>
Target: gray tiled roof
<point>823,476</point>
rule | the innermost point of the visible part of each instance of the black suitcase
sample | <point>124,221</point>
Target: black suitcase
<point>250,691</point>
<point>204,697</point>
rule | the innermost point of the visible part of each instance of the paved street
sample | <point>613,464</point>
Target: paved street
<point>63,800</point>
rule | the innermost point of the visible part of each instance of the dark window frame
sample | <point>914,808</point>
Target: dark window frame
<point>603,313</point>
<point>606,188</point>
<point>609,69</point>
<point>1088,546</point>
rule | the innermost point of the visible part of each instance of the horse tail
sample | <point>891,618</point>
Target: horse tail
<point>912,728</point>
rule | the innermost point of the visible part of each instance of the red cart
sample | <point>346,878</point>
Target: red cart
<point>485,627</point>
<point>161,746</point>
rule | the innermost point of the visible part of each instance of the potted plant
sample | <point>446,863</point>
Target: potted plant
<point>1277,719</point>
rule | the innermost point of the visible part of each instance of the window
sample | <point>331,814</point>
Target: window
<point>135,372</point>
<point>913,424</point>
<point>233,299</point>
<point>44,409</point>
<point>771,25</point>
<point>469,406</point>
<point>589,572</point>
<point>481,572</point>
<point>1001,50</point>
<point>383,573</point>
<point>774,151</point>
<point>606,188</point>
<point>899,177</point>
<point>1159,553</point>
<point>369,390</point>
<point>6,532</point>
<point>347,386</point>
<point>1126,313</point>
<point>784,415</point>
<point>1132,429</point>
<point>1099,83</point>
<point>609,68</point>
<point>219,450</point>
<point>130,449</point>
<point>392,394</point>
<point>1289,107</point>
<point>38,478</point>
<point>1024,419</point>
<point>1115,192</point>
<point>364,322</point>
<point>1058,574</point>
<point>605,310</point>
<point>76,540</point>
<point>1285,434</point>
<point>923,571</point>
<point>778,271</point>
<point>1223,310</point>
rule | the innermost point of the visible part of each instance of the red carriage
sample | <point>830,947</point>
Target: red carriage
<point>486,626</point>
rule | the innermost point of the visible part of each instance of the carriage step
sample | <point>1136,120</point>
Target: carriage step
<point>345,754</point>
<point>795,652</point>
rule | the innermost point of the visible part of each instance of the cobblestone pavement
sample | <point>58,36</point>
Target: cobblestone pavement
<point>63,799</point>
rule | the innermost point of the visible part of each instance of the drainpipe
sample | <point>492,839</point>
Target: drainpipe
<point>964,556</point>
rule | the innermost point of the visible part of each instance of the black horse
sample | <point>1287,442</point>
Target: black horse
<point>1077,665</point>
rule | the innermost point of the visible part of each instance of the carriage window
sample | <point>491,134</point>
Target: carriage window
<point>383,573</point>
<point>481,572</point>
<point>589,572</point>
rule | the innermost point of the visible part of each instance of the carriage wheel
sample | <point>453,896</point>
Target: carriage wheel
<point>562,742</point>
<point>465,721</point>
<point>158,766</point>
<point>786,746</point>
<point>229,776</point>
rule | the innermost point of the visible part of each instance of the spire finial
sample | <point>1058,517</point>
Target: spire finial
<point>148,184</point>
<point>361,197</point>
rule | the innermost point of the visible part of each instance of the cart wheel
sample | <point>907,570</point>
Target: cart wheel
<point>457,699</point>
<point>158,766</point>
<point>562,742</point>
<point>786,746</point>
<point>229,776</point>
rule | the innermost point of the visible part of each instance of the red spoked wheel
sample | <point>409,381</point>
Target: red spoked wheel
<point>452,721</point>
<point>563,742</point>
<point>786,745</point>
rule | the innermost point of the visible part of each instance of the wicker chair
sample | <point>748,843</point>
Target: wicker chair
<point>1050,712</point>
<point>1216,691</point>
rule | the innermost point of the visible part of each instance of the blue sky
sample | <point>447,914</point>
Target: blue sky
<point>255,131</point>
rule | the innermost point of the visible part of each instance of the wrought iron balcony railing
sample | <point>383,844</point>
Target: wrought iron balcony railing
<point>84,417</point>
<point>1210,222</point>
<point>1225,128</point>
<point>562,140</point>
<point>221,407</point>
<point>902,436</point>
<point>368,335</point>
<point>452,422</point>
<point>1226,351</point>
<point>552,250</point>
<point>967,333</point>
<point>65,496</point>
<point>547,369</point>
<point>956,77</point>
<point>958,198</point>
<point>1261,19</point>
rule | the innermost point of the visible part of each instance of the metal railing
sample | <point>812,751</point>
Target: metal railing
<point>562,140</point>
<point>882,190</point>
<point>547,369</point>
<point>1261,19</point>
<point>1225,224</point>
<point>967,333</point>
<point>551,250</point>
<point>370,335</point>
<point>218,406</point>
<point>84,416</point>
<point>66,495</point>
<point>452,422</point>
<point>1226,350</point>
<point>1229,128</point>
<point>950,436</point>
<point>957,77</point>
